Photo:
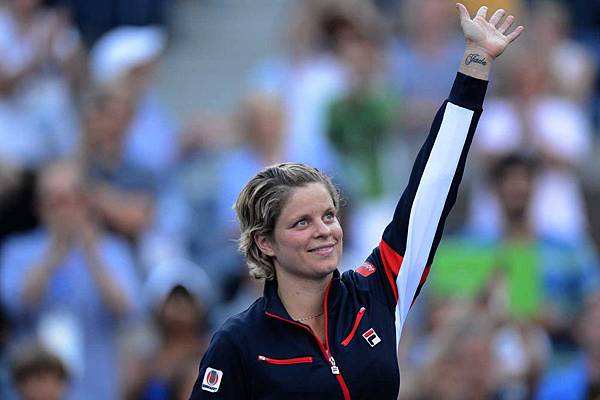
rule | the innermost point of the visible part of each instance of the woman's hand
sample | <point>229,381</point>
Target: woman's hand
<point>486,40</point>
<point>486,36</point>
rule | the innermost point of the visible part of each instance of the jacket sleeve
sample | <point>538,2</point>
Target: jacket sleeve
<point>222,373</point>
<point>409,242</point>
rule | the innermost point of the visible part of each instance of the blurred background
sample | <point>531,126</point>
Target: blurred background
<point>128,127</point>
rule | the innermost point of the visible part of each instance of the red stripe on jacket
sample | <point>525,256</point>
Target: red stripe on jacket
<point>392,261</point>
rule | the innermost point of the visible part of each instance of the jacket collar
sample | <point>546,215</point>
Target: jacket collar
<point>273,304</point>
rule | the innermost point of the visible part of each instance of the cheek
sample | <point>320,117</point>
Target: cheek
<point>292,241</point>
<point>337,230</point>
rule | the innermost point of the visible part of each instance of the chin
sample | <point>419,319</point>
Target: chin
<point>328,268</point>
<point>319,270</point>
<point>323,274</point>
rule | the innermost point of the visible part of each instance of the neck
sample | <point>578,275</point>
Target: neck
<point>302,298</point>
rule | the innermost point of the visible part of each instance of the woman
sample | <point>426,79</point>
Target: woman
<point>318,335</point>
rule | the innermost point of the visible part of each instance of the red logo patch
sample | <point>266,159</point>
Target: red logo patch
<point>366,269</point>
<point>212,380</point>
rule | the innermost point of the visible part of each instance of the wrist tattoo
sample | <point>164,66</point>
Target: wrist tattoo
<point>475,58</point>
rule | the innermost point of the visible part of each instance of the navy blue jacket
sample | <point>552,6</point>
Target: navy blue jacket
<point>263,354</point>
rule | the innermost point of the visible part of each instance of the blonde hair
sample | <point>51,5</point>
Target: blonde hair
<point>260,203</point>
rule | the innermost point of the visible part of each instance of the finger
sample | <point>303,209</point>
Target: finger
<point>506,24</point>
<point>482,12</point>
<point>463,12</point>
<point>515,34</point>
<point>497,17</point>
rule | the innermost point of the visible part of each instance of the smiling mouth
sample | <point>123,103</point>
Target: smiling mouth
<point>324,250</point>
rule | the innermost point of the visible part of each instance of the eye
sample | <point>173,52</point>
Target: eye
<point>301,223</point>
<point>329,216</point>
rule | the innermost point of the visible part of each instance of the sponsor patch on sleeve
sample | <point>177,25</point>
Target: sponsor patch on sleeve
<point>366,269</point>
<point>212,380</point>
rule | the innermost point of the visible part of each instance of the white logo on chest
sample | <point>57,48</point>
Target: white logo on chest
<point>371,337</point>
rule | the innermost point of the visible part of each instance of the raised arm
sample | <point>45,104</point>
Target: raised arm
<point>409,242</point>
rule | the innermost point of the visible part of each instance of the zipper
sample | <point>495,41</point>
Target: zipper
<point>359,316</point>
<point>324,349</point>
<point>334,369</point>
<point>286,361</point>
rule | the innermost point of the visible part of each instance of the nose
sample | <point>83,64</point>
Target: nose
<point>322,229</point>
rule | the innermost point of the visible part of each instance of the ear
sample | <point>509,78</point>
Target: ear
<point>264,243</point>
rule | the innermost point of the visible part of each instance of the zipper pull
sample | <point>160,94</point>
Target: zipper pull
<point>334,369</point>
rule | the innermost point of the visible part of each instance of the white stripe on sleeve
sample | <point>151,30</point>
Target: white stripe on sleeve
<point>428,204</point>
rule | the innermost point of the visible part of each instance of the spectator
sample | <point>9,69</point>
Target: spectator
<point>71,283</point>
<point>186,218</point>
<point>262,139</point>
<point>197,222</point>
<point>41,59</point>
<point>552,128</point>
<point>181,297</point>
<point>40,71</point>
<point>128,56</point>
<point>39,374</point>
<point>262,130</point>
<point>123,194</point>
<point>431,47</point>
<point>543,279</point>
<point>462,364</point>
<point>572,66</point>
<point>311,75</point>
<point>360,121</point>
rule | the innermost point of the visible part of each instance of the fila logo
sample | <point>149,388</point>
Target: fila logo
<point>366,269</point>
<point>371,337</point>
<point>212,380</point>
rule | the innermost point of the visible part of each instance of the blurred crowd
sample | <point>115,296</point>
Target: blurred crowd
<point>118,252</point>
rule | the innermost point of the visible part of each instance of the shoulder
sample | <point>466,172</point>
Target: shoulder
<point>238,328</point>
<point>360,278</point>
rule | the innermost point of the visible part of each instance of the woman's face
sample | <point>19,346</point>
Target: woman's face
<point>307,240</point>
